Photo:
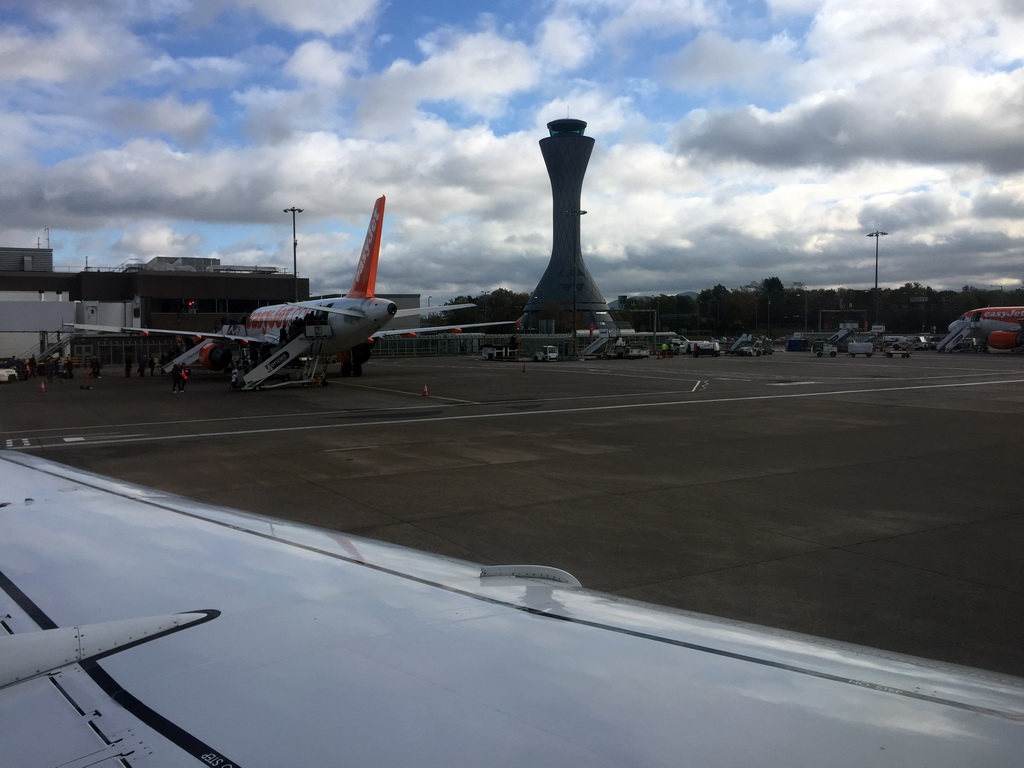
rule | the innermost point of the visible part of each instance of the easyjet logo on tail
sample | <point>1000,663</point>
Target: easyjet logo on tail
<point>366,272</point>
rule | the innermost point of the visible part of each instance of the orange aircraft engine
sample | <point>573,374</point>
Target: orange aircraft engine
<point>214,356</point>
<point>1006,339</point>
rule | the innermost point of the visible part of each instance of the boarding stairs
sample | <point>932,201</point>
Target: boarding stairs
<point>60,347</point>
<point>840,336</point>
<point>960,330</point>
<point>308,346</point>
<point>597,346</point>
<point>185,359</point>
<point>745,340</point>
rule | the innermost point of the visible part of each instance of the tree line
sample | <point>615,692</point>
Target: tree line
<point>765,306</point>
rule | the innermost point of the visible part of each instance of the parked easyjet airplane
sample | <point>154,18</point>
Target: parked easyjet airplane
<point>313,332</point>
<point>139,628</point>
<point>1000,328</point>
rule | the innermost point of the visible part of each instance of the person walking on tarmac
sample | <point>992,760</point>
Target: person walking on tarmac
<point>177,382</point>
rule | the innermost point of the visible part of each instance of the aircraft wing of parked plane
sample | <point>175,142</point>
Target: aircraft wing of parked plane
<point>142,628</point>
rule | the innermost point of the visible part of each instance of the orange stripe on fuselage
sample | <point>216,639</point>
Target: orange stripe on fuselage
<point>267,318</point>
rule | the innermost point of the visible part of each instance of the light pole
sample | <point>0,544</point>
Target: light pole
<point>295,249</point>
<point>878,235</point>
<point>575,269</point>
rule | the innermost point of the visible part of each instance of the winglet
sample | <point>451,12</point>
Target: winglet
<point>366,273</point>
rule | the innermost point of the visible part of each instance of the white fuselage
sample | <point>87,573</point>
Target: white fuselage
<point>990,319</point>
<point>351,321</point>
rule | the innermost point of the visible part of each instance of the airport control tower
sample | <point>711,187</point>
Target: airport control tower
<point>566,283</point>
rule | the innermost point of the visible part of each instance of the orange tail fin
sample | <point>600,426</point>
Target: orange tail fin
<point>366,273</point>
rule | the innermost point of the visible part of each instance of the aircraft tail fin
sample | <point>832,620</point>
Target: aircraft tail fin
<point>366,273</point>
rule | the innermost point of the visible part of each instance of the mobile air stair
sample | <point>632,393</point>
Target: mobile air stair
<point>279,369</point>
<point>960,331</point>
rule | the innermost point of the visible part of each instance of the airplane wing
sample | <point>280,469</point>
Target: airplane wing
<point>314,648</point>
<point>412,311</point>
<point>437,329</point>
<point>160,331</point>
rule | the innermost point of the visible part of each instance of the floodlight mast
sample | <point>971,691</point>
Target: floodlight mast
<point>878,235</point>
<point>295,250</point>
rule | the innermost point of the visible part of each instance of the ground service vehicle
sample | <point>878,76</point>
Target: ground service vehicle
<point>546,354</point>
<point>699,348</point>
<point>865,348</point>
<point>819,348</point>
<point>695,348</point>
<point>756,348</point>
<point>893,350</point>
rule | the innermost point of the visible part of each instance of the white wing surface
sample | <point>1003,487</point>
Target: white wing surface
<point>325,650</point>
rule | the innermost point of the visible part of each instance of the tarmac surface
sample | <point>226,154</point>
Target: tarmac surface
<point>876,501</point>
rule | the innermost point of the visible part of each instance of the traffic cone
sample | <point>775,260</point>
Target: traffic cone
<point>425,393</point>
<point>524,367</point>
<point>42,386</point>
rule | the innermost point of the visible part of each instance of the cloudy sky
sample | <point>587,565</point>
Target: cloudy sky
<point>735,140</point>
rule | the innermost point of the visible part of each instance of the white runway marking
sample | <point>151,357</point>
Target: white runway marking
<point>545,413</point>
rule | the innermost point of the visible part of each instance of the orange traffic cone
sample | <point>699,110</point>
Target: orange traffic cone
<point>42,386</point>
<point>425,393</point>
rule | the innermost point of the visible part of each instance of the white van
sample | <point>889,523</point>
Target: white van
<point>902,342</point>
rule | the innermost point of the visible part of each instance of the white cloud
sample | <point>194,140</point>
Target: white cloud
<point>187,123</point>
<point>151,240</point>
<point>714,61</point>
<point>317,63</point>
<point>565,43</point>
<point>476,72</point>
<point>327,17</point>
<point>96,54</point>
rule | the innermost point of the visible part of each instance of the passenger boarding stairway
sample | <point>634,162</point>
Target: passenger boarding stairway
<point>959,330</point>
<point>840,336</point>
<point>308,345</point>
<point>597,346</point>
<point>185,359</point>
<point>278,359</point>
<point>745,340</point>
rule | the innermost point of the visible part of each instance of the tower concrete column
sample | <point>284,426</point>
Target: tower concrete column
<point>566,282</point>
